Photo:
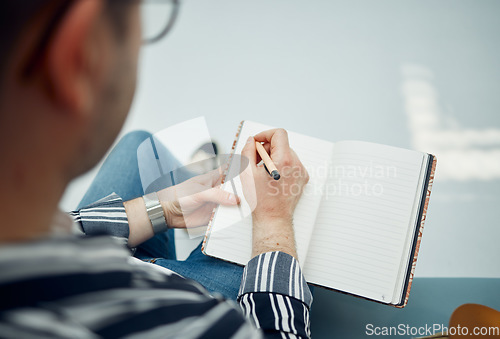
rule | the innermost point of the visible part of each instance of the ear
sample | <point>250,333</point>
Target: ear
<point>71,58</point>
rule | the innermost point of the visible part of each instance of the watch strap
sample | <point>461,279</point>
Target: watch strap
<point>155,212</point>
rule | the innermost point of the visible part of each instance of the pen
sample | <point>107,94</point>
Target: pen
<point>268,163</point>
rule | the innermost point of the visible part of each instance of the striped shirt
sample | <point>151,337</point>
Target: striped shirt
<point>90,287</point>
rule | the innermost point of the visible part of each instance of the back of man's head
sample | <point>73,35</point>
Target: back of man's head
<point>67,79</point>
<point>14,16</point>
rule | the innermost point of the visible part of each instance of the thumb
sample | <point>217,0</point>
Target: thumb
<point>218,196</point>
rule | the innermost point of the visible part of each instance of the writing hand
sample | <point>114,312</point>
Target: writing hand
<point>273,201</point>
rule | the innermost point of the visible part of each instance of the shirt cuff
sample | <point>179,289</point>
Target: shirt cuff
<point>105,216</point>
<point>275,272</point>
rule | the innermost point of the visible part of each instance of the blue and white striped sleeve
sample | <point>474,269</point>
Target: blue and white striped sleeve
<point>275,295</point>
<point>105,216</point>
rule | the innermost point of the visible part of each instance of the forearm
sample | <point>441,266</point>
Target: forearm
<point>199,194</point>
<point>140,228</point>
<point>285,289</point>
<point>273,234</point>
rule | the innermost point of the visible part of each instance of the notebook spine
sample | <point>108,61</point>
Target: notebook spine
<point>420,230</point>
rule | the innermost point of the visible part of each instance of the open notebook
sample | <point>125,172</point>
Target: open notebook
<point>358,223</point>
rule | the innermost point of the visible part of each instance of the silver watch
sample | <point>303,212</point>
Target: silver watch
<point>155,213</point>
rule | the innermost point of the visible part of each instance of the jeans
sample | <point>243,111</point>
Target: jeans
<point>120,174</point>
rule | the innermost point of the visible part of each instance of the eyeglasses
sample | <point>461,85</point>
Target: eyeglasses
<point>157,19</point>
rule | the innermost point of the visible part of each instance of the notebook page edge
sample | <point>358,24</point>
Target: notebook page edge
<point>413,223</point>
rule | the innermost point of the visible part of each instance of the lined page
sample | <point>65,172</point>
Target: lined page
<point>364,219</point>
<point>230,237</point>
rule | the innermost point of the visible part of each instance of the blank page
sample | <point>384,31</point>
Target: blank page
<point>364,219</point>
<point>230,235</point>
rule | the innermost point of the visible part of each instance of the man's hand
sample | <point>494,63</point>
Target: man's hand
<point>190,203</point>
<point>275,200</point>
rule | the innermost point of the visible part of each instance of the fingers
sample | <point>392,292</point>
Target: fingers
<point>279,148</point>
<point>277,138</point>
<point>250,152</point>
<point>217,196</point>
<point>267,147</point>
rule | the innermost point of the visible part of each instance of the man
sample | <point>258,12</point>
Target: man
<point>68,71</point>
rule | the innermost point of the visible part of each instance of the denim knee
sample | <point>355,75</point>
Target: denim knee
<point>134,139</point>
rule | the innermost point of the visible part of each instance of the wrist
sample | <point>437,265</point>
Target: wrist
<point>140,228</point>
<point>172,211</point>
<point>170,205</point>
<point>155,212</point>
<point>266,223</point>
<point>273,234</point>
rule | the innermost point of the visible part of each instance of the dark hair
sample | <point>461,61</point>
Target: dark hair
<point>16,14</point>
